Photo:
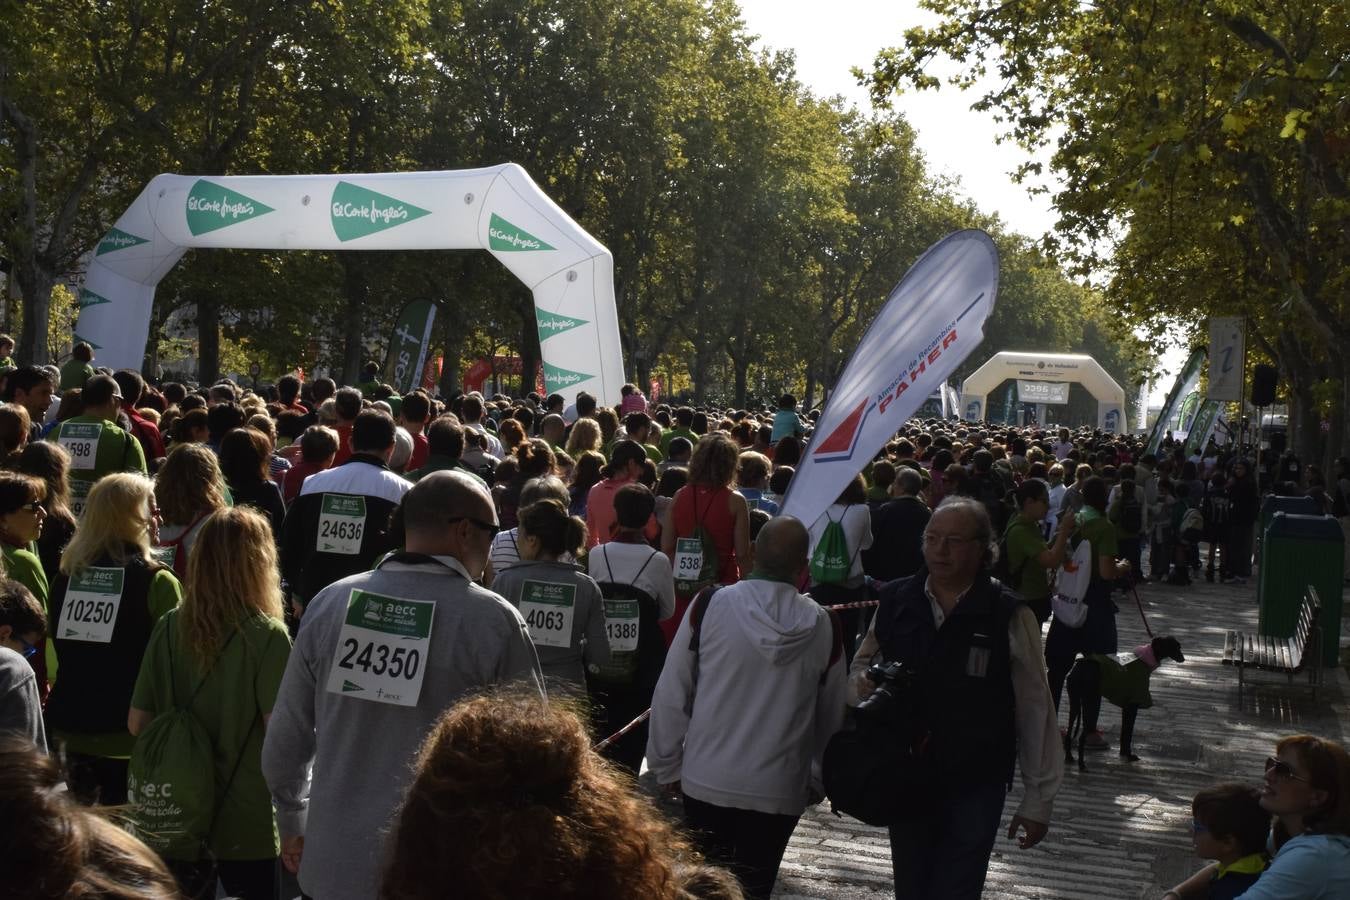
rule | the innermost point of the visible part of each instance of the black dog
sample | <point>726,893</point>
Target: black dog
<point>1125,686</point>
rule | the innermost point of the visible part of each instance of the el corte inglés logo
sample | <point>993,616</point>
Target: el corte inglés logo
<point>502,235</point>
<point>117,239</point>
<point>356,211</point>
<point>556,378</point>
<point>550,324</point>
<point>212,206</point>
<point>89,298</point>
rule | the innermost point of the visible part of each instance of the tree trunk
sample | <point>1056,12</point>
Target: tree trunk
<point>208,337</point>
<point>35,283</point>
<point>809,399</point>
<point>530,351</point>
<point>741,370</point>
<point>356,290</point>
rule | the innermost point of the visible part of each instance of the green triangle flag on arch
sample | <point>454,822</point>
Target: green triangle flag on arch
<point>502,235</point>
<point>550,324</point>
<point>79,340</point>
<point>213,206</point>
<point>556,378</point>
<point>117,239</point>
<point>356,211</point>
<point>89,298</point>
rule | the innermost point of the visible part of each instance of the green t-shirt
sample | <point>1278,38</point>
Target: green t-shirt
<point>74,373</point>
<point>1096,528</point>
<point>25,568</point>
<point>672,434</point>
<point>239,690</point>
<point>165,594</point>
<point>1024,545</point>
<point>115,451</point>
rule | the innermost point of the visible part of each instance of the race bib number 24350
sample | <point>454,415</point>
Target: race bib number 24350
<point>381,653</point>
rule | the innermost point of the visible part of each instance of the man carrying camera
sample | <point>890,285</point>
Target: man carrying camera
<point>980,702</point>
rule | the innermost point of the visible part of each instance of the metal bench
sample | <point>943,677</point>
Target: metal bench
<point>1290,655</point>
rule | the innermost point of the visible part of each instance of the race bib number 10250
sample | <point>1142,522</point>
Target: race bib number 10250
<point>382,649</point>
<point>89,611</point>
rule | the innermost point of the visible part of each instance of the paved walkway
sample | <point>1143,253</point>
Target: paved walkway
<point>1122,830</point>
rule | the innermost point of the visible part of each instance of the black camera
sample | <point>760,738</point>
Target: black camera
<point>891,700</point>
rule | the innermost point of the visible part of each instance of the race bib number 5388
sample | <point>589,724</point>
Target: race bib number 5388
<point>381,653</point>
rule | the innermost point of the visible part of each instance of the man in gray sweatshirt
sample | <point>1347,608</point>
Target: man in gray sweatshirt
<point>379,657</point>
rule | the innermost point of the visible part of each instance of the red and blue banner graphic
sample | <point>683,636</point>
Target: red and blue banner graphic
<point>932,320</point>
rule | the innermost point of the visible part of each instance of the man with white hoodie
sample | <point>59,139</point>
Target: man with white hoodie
<point>740,720</point>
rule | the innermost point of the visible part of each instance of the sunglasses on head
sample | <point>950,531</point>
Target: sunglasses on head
<point>1282,769</point>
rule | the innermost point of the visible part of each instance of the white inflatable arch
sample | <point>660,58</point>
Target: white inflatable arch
<point>1055,368</point>
<point>499,209</point>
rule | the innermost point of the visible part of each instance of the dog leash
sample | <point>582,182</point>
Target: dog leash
<point>1137,602</point>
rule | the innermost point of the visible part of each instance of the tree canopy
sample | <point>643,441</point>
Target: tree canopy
<point>756,228</point>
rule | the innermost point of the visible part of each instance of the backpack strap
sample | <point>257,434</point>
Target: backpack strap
<point>697,610</point>
<point>836,643</point>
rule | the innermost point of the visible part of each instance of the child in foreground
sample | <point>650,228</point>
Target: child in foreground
<point>1230,827</point>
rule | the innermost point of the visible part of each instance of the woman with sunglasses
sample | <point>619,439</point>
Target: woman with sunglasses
<point>104,606</point>
<point>1307,791</point>
<point>21,518</point>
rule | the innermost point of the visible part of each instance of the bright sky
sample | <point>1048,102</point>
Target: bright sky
<point>956,141</point>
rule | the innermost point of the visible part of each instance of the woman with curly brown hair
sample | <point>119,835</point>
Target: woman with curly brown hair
<point>534,459</point>
<point>188,488</point>
<point>50,847</point>
<point>509,800</point>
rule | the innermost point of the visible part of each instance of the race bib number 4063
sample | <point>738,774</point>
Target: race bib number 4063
<point>342,524</point>
<point>548,608</point>
<point>381,652</point>
<point>80,440</point>
<point>89,612</point>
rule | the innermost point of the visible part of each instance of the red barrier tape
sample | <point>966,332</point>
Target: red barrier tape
<point>622,731</point>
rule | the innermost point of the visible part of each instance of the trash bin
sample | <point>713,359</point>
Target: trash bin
<point>1302,551</point>
<point>1270,505</point>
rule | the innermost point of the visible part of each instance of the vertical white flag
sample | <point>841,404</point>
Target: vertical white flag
<point>1227,357</point>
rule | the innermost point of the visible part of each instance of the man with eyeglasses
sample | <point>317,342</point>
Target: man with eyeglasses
<point>339,523</point>
<point>23,626</point>
<point>379,658</point>
<point>982,702</point>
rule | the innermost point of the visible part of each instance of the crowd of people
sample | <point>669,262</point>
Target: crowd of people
<point>391,630</point>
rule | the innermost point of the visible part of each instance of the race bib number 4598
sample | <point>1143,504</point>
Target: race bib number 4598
<point>80,440</point>
<point>381,652</point>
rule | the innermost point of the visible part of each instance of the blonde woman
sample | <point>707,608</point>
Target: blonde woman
<point>585,436</point>
<point>188,487</point>
<point>104,605</point>
<point>223,651</point>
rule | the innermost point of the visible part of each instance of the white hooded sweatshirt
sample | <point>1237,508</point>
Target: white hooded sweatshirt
<point>745,722</point>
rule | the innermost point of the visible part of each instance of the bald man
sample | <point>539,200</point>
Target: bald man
<point>379,657</point>
<point>770,674</point>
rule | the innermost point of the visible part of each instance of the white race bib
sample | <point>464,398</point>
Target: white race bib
<point>90,608</point>
<point>79,495</point>
<point>621,625</point>
<point>547,608</point>
<point>165,556</point>
<point>342,524</point>
<point>80,440</point>
<point>688,559</point>
<point>382,649</point>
